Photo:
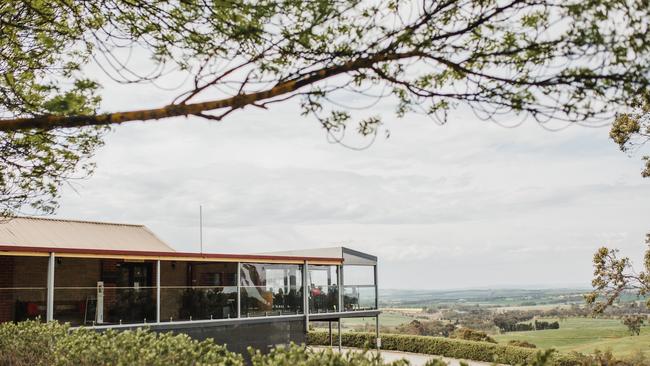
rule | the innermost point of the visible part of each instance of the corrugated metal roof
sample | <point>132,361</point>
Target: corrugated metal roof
<point>74,234</point>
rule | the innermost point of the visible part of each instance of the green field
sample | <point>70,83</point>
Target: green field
<point>585,335</point>
<point>386,319</point>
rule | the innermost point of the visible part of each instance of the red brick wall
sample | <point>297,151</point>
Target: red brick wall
<point>6,281</point>
<point>29,276</point>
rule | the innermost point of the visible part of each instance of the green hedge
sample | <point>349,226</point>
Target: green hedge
<point>454,348</point>
<point>40,344</point>
<point>43,344</point>
<point>35,343</point>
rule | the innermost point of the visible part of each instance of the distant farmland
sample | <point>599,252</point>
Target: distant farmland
<point>585,335</point>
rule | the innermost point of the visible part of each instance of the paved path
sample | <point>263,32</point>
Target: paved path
<point>415,359</point>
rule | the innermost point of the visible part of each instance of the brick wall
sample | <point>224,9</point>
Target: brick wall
<point>6,281</point>
<point>172,274</point>
<point>24,280</point>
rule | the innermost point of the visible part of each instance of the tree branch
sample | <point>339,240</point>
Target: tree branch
<point>49,122</point>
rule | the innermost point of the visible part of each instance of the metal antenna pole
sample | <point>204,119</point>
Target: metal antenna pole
<point>201,227</point>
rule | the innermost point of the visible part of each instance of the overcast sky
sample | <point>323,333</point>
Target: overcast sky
<point>467,204</point>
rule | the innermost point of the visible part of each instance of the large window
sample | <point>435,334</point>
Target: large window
<point>271,289</point>
<point>198,291</point>
<point>23,288</point>
<point>104,291</point>
<point>359,288</point>
<point>323,289</point>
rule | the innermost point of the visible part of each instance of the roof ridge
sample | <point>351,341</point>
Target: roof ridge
<point>75,220</point>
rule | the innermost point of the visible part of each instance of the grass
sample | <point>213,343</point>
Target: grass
<point>386,319</point>
<point>586,335</point>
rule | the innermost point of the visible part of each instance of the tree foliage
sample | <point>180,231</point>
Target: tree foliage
<point>578,61</point>
<point>631,131</point>
<point>634,323</point>
<point>613,275</point>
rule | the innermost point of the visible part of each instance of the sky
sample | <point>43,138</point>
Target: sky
<point>469,204</point>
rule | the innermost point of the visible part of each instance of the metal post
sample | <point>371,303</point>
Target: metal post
<point>239,289</point>
<point>376,289</point>
<point>330,327</point>
<point>49,312</point>
<point>340,279</point>
<point>201,229</point>
<point>340,340</point>
<point>158,291</point>
<point>377,338</point>
<point>305,295</point>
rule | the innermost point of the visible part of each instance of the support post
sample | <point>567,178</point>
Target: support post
<point>239,289</point>
<point>340,279</point>
<point>305,294</point>
<point>377,338</point>
<point>49,312</point>
<point>340,339</point>
<point>330,327</point>
<point>158,291</point>
<point>376,289</point>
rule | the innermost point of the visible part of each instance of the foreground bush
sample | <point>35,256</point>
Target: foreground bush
<point>34,343</point>
<point>43,344</point>
<point>454,348</point>
<point>300,356</point>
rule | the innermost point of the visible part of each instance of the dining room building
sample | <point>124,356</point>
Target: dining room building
<point>122,276</point>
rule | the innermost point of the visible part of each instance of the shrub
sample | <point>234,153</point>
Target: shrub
<point>35,343</point>
<point>541,325</point>
<point>29,342</point>
<point>43,344</point>
<point>426,328</point>
<point>454,348</point>
<point>299,356</point>
<point>472,335</point>
<point>517,343</point>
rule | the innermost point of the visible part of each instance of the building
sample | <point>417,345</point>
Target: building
<point>106,275</point>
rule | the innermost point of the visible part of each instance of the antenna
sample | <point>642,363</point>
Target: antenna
<point>201,228</point>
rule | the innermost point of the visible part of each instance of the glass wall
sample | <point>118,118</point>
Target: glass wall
<point>90,291</point>
<point>271,289</point>
<point>104,291</point>
<point>198,290</point>
<point>23,288</point>
<point>359,288</point>
<point>323,288</point>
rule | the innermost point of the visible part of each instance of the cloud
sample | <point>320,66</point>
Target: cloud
<point>465,204</point>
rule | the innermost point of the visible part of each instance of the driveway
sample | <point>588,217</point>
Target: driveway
<point>415,359</point>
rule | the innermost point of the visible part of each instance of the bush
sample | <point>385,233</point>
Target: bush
<point>606,358</point>
<point>299,356</point>
<point>35,343</point>
<point>454,348</point>
<point>43,344</point>
<point>517,343</point>
<point>541,325</point>
<point>472,335</point>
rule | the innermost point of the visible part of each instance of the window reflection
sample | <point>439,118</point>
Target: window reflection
<point>323,288</point>
<point>198,290</point>
<point>271,289</point>
<point>359,289</point>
